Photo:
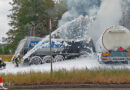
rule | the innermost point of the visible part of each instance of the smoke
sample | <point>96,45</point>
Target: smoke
<point>109,14</point>
<point>125,20</point>
<point>75,29</point>
<point>79,7</point>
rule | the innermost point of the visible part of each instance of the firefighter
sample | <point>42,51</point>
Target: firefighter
<point>2,64</point>
<point>16,60</point>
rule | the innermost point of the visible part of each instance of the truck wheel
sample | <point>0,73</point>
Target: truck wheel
<point>99,58</point>
<point>59,58</point>
<point>25,62</point>
<point>84,53</point>
<point>47,59</point>
<point>35,60</point>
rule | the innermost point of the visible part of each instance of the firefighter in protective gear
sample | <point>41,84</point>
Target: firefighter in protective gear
<point>2,64</point>
<point>16,59</point>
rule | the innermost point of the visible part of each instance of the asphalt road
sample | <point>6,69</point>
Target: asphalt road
<point>90,89</point>
<point>73,87</point>
<point>79,89</point>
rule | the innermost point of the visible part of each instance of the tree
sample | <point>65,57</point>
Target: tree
<point>27,15</point>
<point>125,20</point>
<point>31,16</point>
<point>61,8</point>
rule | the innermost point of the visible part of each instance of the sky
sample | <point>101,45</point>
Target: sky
<point>4,20</point>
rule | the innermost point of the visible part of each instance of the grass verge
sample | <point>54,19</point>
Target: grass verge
<point>73,77</point>
<point>6,58</point>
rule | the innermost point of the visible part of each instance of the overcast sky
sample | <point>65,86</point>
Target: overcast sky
<point>4,20</point>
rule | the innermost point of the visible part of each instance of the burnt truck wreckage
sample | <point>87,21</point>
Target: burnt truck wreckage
<point>61,49</point>
<point>70,40</point>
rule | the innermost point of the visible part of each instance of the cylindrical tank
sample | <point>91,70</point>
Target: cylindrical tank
<point>115,37</point>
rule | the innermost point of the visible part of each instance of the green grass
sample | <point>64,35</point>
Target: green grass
<point>75,76</point>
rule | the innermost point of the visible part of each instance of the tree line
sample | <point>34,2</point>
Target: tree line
<point>31,17</point>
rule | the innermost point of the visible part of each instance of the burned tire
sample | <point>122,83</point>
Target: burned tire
<point>47,59</point>
<point>25,62</point>
<point>84,53</point>
<point>36,60</point>
<point>59,58</point>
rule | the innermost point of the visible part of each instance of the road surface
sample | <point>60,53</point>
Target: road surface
<point>73,87</point>
<point>78,89</point>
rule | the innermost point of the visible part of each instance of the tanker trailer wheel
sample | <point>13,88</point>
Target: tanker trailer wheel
<point>35,60</point>
<point>59,58</point>
<point>47,59</point>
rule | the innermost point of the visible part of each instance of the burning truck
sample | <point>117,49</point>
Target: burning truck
<point>116,45</point>
<point>61,49</point>
<point>68,41</point>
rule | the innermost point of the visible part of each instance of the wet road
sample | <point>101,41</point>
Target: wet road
<point>74,87</point>
<point>91,89</point>
<point>81,89</point>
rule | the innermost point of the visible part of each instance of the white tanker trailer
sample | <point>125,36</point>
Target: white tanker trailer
<point>116,45</point>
